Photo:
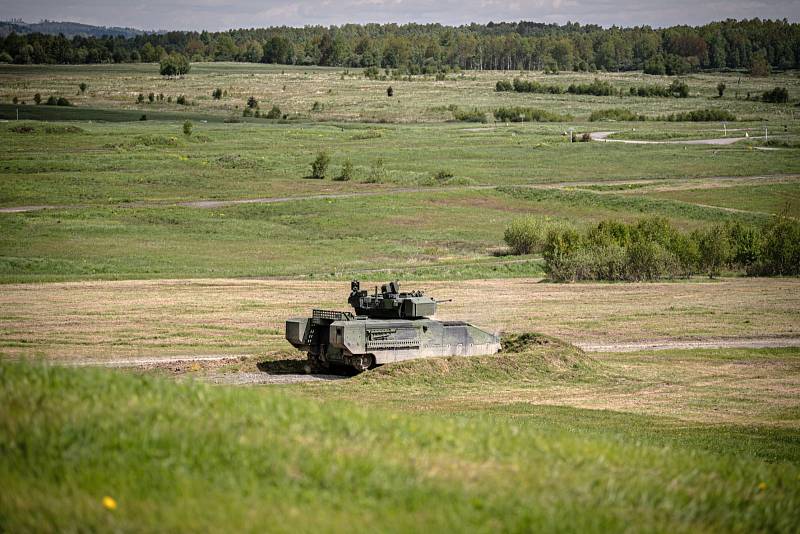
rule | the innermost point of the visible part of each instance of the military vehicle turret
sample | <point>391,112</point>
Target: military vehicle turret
<point>387,326</point>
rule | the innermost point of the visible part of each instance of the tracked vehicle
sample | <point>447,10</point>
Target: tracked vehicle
<point>387,326</point>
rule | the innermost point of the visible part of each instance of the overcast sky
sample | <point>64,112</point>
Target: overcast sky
<point>226,14</point>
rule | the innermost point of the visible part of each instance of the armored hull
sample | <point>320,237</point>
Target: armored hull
<point>364,340</point>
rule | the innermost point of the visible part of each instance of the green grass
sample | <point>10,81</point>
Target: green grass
<point>154,162</point>
<point>433,235</point>
<point>772,198</point>
<point>189,457</point>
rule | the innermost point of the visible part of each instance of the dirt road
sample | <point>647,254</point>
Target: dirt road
<point>604,137</point>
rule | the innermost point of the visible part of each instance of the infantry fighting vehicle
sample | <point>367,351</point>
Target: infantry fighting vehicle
<point>388,326</point>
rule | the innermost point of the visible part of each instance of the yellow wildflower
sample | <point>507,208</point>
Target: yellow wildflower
<point>762,486</point>
<point>109,503</point>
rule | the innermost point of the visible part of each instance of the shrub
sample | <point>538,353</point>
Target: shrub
<point>346,174</point>
<point>649,91</point>
<point>525,235</point>
<point>780,248</point>
<point>778,95</point>
<point>389,91</point>
<point>616,114</point>
<point>523,86</point>
<point>174,65</point>
<point>442,175</point>
<point>181,100</point>
<point>15,100</point>
<point>37,98</point>
<point>377,173</point>
<point>647,260</point>
<point>503,85</point>
<point>317,106</point>
<point>61,101</point>
<point>252,103</point>
<point>187,128</point>
<point>371,73</point>
<point>721,89</point>
<point>472,115</point>
<point>274,113</point>
<point>51,101</point>
<point>83,87</point>
<point>701,115</point>
<point>247,112</point>
<point>143,117</point>
<point>151,97</point>
<point>521,114</point>
<point>596,88</point>
<point>320,165</point>
<point>216,94</point>
<point>559,251</point>
<point>140,98</point>
<point>679,89</point>
<point>715,250</point>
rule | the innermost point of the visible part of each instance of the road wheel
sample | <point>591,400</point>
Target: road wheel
<point>363,362</point>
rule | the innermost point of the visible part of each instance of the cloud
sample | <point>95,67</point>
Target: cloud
<point>225,14</point>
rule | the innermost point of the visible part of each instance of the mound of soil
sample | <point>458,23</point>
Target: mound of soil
<point>527,356</point>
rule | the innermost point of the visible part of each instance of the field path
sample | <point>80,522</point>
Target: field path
<point>604,137</point>
<point>211,204</point>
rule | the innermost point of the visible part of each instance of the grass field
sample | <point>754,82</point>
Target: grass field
<point>394,451</point>
<point>130,257</point>
<point>112,320</point>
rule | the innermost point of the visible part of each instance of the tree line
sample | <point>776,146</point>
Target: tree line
<point>754,44</point>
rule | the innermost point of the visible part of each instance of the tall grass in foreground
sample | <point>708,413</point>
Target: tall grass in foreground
<point>187,457</point>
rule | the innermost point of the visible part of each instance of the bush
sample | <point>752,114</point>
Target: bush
<point>320,165</point>
<point>780,248</point>
<point>522,86</point>
<point>779,95</point>
<point>346,174</point>
<point>525,235</point>
<point>247,112</point>
<point>443,175</point>
<point>521,114</point>
<point>616,114</point>
<point>187,128</point>
<point>151,97</point>
<point>140,98</point>
<point>317,106</point>
<point>252,103</point>
<point>389,91</point>
<point>701,115</point>
<point>37,98</point>
<point>143,117</point>
<point>679,89</point>
<point>181,100</point>
<point>721,89</point>
<point>377,173</point>
<point>61,101</point>
<point>503,85</point>
<point>560,250</point>
<point>274,113</point>
<point>174,65</point>
<point>473,115</point>
<point>51,101</point>
<point>216,94</point>
<point>596,88</point>
<point>371,73</point>
<point>715,250</point>
<point>83,87</point>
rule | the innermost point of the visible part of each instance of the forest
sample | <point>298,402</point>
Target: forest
<point>756,45</point>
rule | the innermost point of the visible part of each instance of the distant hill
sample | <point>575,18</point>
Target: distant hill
<point>69,29</point>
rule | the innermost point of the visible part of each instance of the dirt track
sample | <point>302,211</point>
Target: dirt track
<point>601,136</point>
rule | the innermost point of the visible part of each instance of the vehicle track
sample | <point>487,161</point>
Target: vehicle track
<point>211,204</point>
<point>177,363</point>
